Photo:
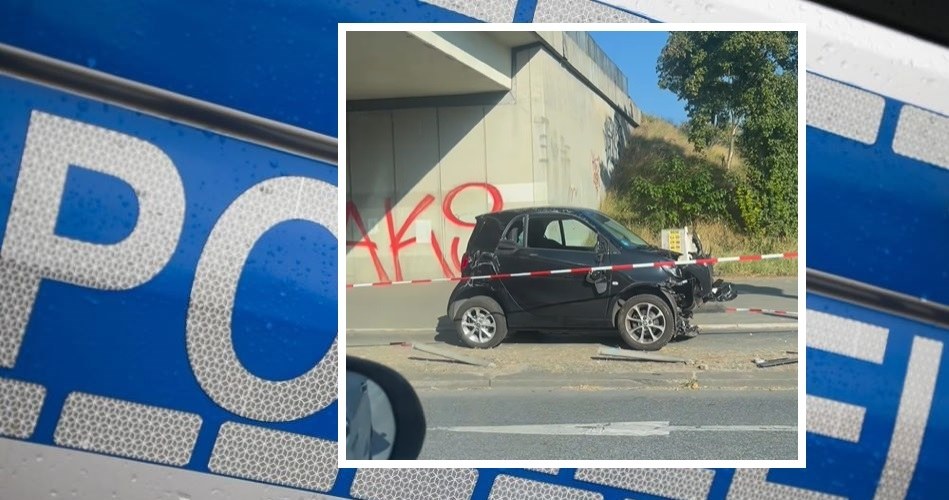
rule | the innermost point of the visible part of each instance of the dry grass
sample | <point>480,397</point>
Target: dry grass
<point>657,137</point>
<point>662,130</point>
<point>722,241</point>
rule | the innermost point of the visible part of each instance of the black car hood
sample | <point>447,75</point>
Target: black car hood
<point>660,253</point>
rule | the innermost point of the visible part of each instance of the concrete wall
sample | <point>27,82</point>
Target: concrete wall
<point>418,173</point>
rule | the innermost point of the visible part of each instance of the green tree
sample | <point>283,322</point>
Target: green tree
<point>721,74</point>
<point>741,88</point>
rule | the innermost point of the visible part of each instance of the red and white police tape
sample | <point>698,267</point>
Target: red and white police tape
<point>582,270</point>
<point>760,311</point>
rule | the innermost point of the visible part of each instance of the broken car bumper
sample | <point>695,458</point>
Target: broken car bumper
<point>722,291</point>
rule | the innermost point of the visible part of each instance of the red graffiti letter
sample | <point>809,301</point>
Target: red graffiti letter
<point>396,243</point>
<point>365,241</point>
<point>497,203</point>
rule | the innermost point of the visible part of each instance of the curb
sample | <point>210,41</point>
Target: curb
<point>788,326</point>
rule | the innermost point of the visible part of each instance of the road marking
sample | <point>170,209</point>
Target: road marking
<point>614,429</point>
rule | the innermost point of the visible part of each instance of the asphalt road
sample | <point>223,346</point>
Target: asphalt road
<point>550,396</point>
<point>641,425</point>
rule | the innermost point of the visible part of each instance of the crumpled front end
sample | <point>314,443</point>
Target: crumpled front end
<point>693,285</point>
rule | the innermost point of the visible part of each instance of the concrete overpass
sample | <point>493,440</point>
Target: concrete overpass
<point>444,126</point>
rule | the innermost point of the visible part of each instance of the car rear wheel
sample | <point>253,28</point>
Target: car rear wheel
<point>481,323</point>
<point>645,322</point>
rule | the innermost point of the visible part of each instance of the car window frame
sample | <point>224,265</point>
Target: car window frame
<point>510,224</point>
<point>559,216</point>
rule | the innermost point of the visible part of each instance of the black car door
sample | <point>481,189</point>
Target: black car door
<point>569,300</point>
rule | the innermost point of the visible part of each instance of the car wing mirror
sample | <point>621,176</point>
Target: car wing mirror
<point>599,281</point>
<point>384,418</point>
<point>602,247</point>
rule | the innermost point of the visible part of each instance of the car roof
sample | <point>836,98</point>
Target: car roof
<point>505,216</point>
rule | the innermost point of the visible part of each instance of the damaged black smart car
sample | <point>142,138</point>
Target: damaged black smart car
<point>649,306</point>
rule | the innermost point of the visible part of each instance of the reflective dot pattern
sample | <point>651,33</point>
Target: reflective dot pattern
<point>31,249</point>
<point>516,488</point>
<point>276,457</point>
<point>846,337</point>
<point>492,11</point>
<point>679,484</point>
<point>545,471</point>
<point>414,484</point>
<point>210,350</point>
<point>133,430</point>
<point>921,135</point>
<point>915,404</point>
<point>19,283</point>
<point>581,11</point>
<point>843,110</point>
<point>20,404</point>
<point>834,418</point>
<point>752,484</point>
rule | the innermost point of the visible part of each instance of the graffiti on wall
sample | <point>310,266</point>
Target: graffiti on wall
<point>397,231</point>
<point>597,164</point>
<point>615,138</point>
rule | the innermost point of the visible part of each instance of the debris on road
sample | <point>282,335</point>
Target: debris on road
<point>765,363</point>
<point>617,353</point>
<point>452,356</point>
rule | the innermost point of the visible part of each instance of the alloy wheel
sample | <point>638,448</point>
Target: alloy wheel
<point>645,323</point>
<point>478,325</point>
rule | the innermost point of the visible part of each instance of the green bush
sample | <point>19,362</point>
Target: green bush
<point>675,191</point>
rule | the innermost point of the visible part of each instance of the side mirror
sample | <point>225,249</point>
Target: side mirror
<point>602,245</point>
<point>506,246</point>
<point>384,418</point>
<point>697,242</point>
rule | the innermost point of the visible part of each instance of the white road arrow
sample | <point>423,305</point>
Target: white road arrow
<point>615,429</point>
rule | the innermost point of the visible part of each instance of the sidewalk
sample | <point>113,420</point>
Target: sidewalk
<point>724,361</point>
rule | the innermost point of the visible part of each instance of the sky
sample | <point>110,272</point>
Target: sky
<point>636,53</point>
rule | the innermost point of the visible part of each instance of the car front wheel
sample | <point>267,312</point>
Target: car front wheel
<point>481,323</point>
<point>645,322</point>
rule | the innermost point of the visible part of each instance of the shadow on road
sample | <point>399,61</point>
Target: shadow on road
<point>445,332</point>
<point>745,288</point>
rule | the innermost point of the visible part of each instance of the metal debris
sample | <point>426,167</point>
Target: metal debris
<point>613,352</point>
<point>766,363</point>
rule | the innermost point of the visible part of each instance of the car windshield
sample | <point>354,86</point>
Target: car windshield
<point>628,238</point>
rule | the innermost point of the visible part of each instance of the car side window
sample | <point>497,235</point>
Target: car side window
<point>515,232</point>
<point>560,232</point>
<point>577,235</point>
<point>553,232</point>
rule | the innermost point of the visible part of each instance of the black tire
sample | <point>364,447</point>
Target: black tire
<point>653,316</point>
<point>477,317</point>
